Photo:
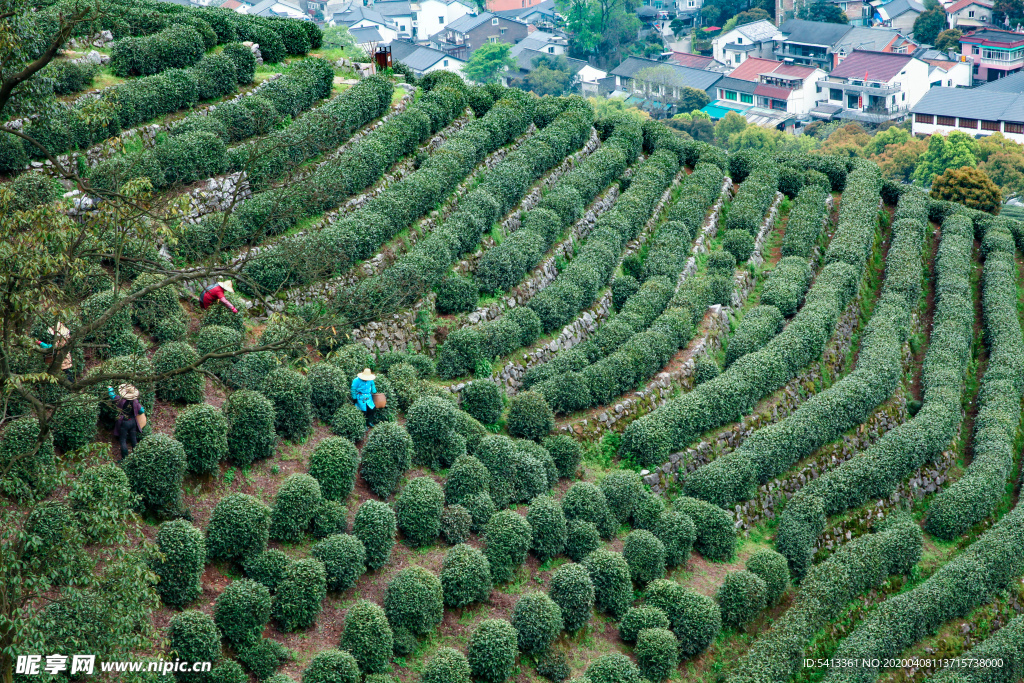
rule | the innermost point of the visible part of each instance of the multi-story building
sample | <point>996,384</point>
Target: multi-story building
<point>464,35</point>
<point>896,14</point>
<point>825,46</point>
<point>993,53</point>
<point>969,14</point>
<point>875,86</point>
<point>942,110</point>
<point>753,40</point>
<point>658,86</point>
<point>776,85</point>
<point>424,60</point>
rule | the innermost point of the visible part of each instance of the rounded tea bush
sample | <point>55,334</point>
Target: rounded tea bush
<point>294,506</point>
<point>639,618</point>
<point>538,620</point>
<point>418,511</point>
<point>645,555</point>
<point>267,567</point>
<point>386,456</point>
<point>481,508</point>
<point>300,593</point>
<point>290,394</point>
<point>716,537</point>
<point>239,527</point>
<point>332,666</point>
<point>586,502</point>
<point>456,295</point>
<point>465,576</point>
<point>773,570</point>
<point>263,657</point>
<point>677,532</point>
<point>581,539</point>
<point>705,369</point>
<point>333,463</point>
<point>573,592</point>
<point>613,587</point>
<point>455,524</point>
<point>508,540</point>
<point>186,387</point>
<point>740,597</point>
<point>242,610</point>
<point>181,569</point>
<point>344,559</point>
<point>194,638</point>
<point>657,653</point>
<point>566,452</point>
<point>622,489</point>
<point>368,637</point>
<point>482,400</point>
<point>696,619</point>
<point>492,651</point>
<point>739,243</point>
<point>218,339</point>
<point>155,471</point>
<point>251,434</point>
<point>414,600</point>
<point>466,477</point>
<point>447,666</point>
<point>331,517</point>
<point>529,416</point>
<point>329,390</point>
<point>74,422</point>
<point>614,668</point>
<point>348,421</point>
<point>375,526</point>
<point>228,671</point>
<point>431,422</point>
<point>202,431</point>
<point>647,511</point>
<point>548,523</point>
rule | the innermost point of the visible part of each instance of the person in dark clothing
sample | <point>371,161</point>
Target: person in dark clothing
<point>129,411</point>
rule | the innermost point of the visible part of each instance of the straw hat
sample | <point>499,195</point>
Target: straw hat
<point>60,330</point>
<point>226,284</point>
<point>128,391</point>
<point>366,375</point>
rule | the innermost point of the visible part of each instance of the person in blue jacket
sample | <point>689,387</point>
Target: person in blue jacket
<point>363,389</point>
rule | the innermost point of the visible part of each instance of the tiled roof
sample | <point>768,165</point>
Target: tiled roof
<point>758,31</point>
<point>793,70</point>
<point>525,60</point>
<point>736,84</point>
<point>862,38</point>
<point>416,57</point>
<point>680,75</point>
<point>963,4</point>
<point>872,66</point>
<point>773,91</point>
<point>994,38</point>
<point>468,22</point>
<point>365,35</point>
<point>393,8</point>
<point>750,68</point>
<point>895,8</point>
<point>814,32</point>
<point>994,106</point>
<point>1013,83</point>
<point>691,60</point>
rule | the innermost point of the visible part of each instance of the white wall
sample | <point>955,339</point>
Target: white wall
<point>928,129</point>
<point>807,96</point>
<point>454,65</point>
<point>387,34</point>
<point>434,15</point>
<point>718,44</point>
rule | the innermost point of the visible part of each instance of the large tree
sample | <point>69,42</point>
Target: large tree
<point>954,151</point>
<point>551,75</point>
<point>489,62</point>
<point>823,10</point>
<point>968,186</point>
<point>600,29</point>
<point>929,25</point>
<point>949,40</point>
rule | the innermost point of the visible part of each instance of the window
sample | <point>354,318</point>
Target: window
<point>949,83</point>
<point>739,58</point>
<point>739,40</point>
<point>852,101</point>
<point>730,95</point>
<point>835,94</point>
<point>551,50</point>
<point>746,98</point>
<point>492,39</point>
<point>494,21</point>
<point>970,14</point>
<point>501,31</point>
<point>414,16</point>
<point>945,120</point>
<point>974,49</point>
<point>446,62</point>
<point>440,20</point>
<point>904,97</point>
<point>401,27</point>
<point>924,118</point>
<point>1013,128</point>
<point>972,124</point>
<point>990,125</point>
<point>691,3</point>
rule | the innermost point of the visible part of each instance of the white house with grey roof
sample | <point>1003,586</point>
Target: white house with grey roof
<point>363,17</point>
<point>424,60</point>
<point>755,39</point>
<point>975,113</point>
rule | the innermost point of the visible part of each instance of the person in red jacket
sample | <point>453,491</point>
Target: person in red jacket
<point>216,293</point>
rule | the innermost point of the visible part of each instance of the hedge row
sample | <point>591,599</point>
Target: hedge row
<point>196,148</point>
<point>975,495</point>
<point>733,393</point>
<point>756,329</point>
<point>876,472</point>
<point>176,47</point>
<point>501,189</point>
<point>773,449</point>
<point>333,250</point>
<point>787,284</point>
<point>754,197</point>
<point>863,563</point>
<point>1006,644</point>
<point>504,266</point>
<point>805,222</point>
<point>975,576</point>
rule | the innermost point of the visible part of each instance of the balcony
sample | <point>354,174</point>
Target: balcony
<point>869,89</point>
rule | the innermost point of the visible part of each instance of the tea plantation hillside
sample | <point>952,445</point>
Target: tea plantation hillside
<point>644,410</point>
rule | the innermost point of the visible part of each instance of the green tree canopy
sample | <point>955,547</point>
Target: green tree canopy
<point>949,39</point>
<point>968,186</point>
<point>943,153</point>
<point>929,25</point>
<point>488,62</point>
<point>551,75</point>
<point>822,10</point>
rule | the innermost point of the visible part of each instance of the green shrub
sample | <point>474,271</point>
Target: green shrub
<point>202,431</point>
<point>614,668</point>
<point>677,532</point>
<point>239,527</point>
<point>622,489</point>
<point>405,641</point>
<point>30,190</point>
<point>186,387</point>
<point>639,618</point>
<point>645,555</point>
<point>508,540</point>
<point>757,328</point>
<point>447,666</point>
<point>244,60</point>
<point>181,567</point>
<point>405,384</point>
<point>228,672</point>
<point>566,452</point>
<point>331,517</point>
<point>386,456</point>
<point>249,371</point>
<point>290,394</point>
<point>267,567</point>
<point>242,610</point>
<point>716,536</point>
<point>581,539</point>
<point>573,592</point>
<point>647,511</point>
<point>332,666</point>
<point>740,597</point>
<point>156,469</point>
<point>467,477</point>
<point>262,657</point>
<point>492,651</point>
<point>98,304</point>
<point>329,391</point>
<point>300,593</point>
<point>481,508</point>
<point>696,619</point>
<point>657,653</point>
<point>194,638</point>
<point>613,587</point>
<point>344,559</point>
<point>333,463</point>
<point>456,295</point>
<point>465,576</point>
<point>548,523</point>
<point>623,287</point>
<point>368,637</point>
<point>773,570</point>
<point>414,600</point>
<point>586,502</point>
<point>295,503</point>
<point>456,523</point>
<point>483,400</point>
<point>739,243</point>
<point>375,526</point>
<point>418,511</point>
<point>529,416</point>
<point>538,621</point>
<point>431,422</point>
<point>74,422</point>
<point>705,369</point>
<point>251,434</point>
<point>94,494</point>
<point>154,310</point>
<point>554,665</point>
<point>348,421</point>
<point>787,283</point>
